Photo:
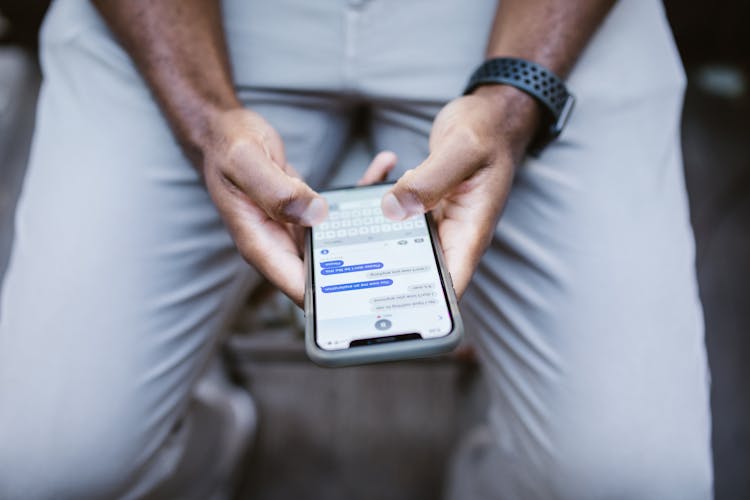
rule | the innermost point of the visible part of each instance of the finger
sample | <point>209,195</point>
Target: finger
<point>287,272</point>
<point>264,243</point>
<point>420,189</point>
<point>283,197</point>
<point>298,235</point>
<point>269,247</point>
<point>461,268</point>
<point>465,236</point>
<point>379,168</point>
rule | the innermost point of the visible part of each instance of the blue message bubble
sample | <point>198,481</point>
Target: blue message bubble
<point>332,263</point>
<point>352,269</point>
<point>360,285</point>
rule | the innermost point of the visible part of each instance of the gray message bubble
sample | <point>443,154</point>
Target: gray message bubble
<point>421,287</point>
<point>403,300</point>
<point>402,296</point>
<point>405,305</point>
<point>381,273</point>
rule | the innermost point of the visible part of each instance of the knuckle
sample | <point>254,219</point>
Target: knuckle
<point>418,193</point>
<point>470,139</point>
<point>285,200</point>
<point>417,188</point>
<point>239,152</point>
<point>467,139</point>
<point>281,203</point>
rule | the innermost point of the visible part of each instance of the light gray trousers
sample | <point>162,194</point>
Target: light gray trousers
<point>585,308</point>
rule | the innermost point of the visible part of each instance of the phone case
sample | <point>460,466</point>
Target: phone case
<point>406,349</point>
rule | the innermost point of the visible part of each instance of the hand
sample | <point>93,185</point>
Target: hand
<point>475,143</point>
<point>260,197</point>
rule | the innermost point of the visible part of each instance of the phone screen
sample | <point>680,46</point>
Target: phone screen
<point>374,279</point>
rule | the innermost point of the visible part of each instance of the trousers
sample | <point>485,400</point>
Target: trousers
<point>584,310</point>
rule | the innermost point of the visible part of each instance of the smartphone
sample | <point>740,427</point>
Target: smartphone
<point>377,290</point>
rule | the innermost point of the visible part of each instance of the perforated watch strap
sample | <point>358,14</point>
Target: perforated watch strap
<point>535,80</point>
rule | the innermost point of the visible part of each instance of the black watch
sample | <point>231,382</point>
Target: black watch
<point>537,81</point>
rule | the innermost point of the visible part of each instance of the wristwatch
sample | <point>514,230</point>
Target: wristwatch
<point>537,81</point>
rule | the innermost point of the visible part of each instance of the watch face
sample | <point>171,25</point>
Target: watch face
<point>562,120</point>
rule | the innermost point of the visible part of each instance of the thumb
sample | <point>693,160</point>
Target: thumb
<point>420,189</point>
<point>289,199</point>
<point>283,197</point>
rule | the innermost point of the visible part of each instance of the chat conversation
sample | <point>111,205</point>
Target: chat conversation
<point>352,269</point>
<point>398,271</point>
<point>332,263</point>
<point>404,300</point>
<point>359,285</point>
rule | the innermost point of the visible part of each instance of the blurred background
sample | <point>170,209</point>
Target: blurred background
<point>398,422</point>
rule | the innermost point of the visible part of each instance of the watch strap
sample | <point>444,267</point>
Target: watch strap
<point>537,81</point>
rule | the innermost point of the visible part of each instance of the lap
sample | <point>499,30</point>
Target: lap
<point>584,307</point>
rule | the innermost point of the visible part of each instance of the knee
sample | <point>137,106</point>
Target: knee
<point>65,458</point>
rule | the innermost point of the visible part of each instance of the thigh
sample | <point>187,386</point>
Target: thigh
<point>587,320</point>
<point>585,307</point>
<point>121,273</point>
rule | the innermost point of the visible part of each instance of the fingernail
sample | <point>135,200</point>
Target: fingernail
<point>393,209</point>
<point>388,156</point>
<point>315,212</point>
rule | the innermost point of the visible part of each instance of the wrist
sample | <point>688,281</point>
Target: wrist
<point>518,116</point>
<point>199,125</point>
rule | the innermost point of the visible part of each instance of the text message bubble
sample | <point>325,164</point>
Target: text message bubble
<point>421,287</point>
<point>352,269</point>
<point>398,271</point>
<point>404,300</point>
<point>332,263</point>
<point>360,285</point>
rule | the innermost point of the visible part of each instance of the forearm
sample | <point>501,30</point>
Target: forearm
<point>552,33</point>
<point>179,48</point>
